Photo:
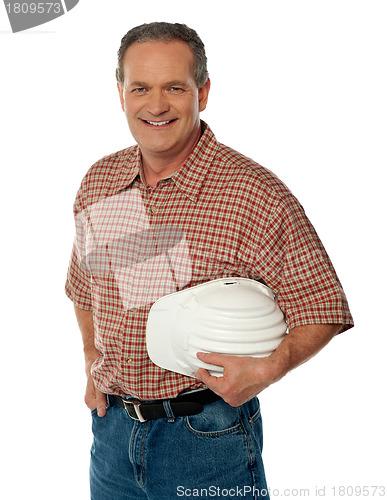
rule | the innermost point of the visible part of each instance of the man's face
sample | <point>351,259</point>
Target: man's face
<point>161,100</point>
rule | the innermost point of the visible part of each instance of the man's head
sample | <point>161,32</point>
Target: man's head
<point>162,94</point>
<point>166,32</point>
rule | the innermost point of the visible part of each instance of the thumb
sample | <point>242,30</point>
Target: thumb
<point>100,403</point>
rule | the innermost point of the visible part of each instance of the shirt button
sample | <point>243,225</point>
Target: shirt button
<point>152,210</point>
<point>133,310</point>
<point>128,361</point>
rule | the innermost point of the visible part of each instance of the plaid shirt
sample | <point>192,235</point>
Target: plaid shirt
<point>219,215</point>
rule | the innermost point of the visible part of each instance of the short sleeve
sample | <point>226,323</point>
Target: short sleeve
<point>79,280</point>
<point>78,283</point>
<point>300,271</point>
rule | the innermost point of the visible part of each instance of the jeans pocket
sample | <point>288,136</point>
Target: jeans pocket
<point>255,416</point>
<point>216,419</point>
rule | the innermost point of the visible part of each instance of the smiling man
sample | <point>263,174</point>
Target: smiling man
<point>180,209</point>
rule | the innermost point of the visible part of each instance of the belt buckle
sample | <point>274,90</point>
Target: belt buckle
<point>136,405</point>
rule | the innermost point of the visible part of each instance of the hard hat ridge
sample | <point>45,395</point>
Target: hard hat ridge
<point>235,316</point>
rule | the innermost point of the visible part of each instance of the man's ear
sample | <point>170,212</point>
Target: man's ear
<point>203,95</point>
<point>121,93</point>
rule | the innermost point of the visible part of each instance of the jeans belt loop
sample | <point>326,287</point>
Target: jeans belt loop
<point>168,410</point>
<point>136,405</point>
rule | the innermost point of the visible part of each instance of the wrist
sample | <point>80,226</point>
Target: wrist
<point>90,356</point>
<point>279,366</point>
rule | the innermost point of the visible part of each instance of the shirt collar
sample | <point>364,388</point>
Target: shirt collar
<point>190,176</point>
<point>130,169</point>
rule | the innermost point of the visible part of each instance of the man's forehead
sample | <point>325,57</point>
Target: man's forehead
<point>158,58</point>
<point>154,48</point>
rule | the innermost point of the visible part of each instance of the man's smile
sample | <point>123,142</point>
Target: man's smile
<point>158,123</point>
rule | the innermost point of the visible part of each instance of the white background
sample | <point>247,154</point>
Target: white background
<point>299,86</point>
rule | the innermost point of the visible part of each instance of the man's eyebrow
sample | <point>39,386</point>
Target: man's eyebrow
<point>176,83</point>
<point>172,83</point>
<point>138,84</point>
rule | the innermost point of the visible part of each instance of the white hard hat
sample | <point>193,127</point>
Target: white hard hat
<point>235,316</point>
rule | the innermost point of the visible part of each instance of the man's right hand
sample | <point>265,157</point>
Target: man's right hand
<point>94,398</point>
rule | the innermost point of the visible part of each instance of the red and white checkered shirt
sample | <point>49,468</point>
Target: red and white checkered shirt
<point>219,215</point>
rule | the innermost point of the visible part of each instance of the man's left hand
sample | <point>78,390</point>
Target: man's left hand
<point>243,377</point>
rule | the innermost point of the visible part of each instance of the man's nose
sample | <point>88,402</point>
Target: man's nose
<point>157,103</point>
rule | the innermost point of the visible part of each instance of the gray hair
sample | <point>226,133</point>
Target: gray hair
<point>166,32</point>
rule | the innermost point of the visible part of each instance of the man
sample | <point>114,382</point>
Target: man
<point>223,215</point>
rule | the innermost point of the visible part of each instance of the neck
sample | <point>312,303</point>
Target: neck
<point>156,166</point>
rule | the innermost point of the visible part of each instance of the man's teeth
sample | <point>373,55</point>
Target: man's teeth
<point>158,123</point>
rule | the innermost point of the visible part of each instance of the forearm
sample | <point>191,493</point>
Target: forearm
<point>86,326</point>
<point>93,397</point>
<point>300,345</point>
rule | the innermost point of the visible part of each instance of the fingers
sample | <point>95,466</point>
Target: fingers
<point>239,382</point>
<point>219,385</point>
<point>95,398</point>
<point>210,358</point>
<point>213,358</point>
<point>100,403</point>
<point>210,381</point>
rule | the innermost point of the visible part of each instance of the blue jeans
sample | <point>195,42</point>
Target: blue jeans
<point>215,454</point>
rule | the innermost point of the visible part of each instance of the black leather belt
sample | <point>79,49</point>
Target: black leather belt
<point>188,404</point>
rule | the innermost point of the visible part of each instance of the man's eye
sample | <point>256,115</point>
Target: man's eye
<point>175,90</point>
<point>139,90</point>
